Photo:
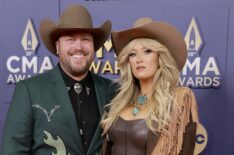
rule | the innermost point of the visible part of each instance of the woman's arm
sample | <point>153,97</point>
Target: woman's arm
<point>189,139</point>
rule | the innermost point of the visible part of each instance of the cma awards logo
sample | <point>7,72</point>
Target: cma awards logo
<point>199,72</point>
<point>105,62</point>
<point>29,39</point>
<point>22,67</point>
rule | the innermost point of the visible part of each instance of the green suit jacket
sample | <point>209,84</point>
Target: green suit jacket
<point>41,121</point>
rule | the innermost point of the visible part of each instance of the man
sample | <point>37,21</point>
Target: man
<point>58,112</point>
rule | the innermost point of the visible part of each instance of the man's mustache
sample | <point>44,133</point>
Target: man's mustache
<point>78,52</point>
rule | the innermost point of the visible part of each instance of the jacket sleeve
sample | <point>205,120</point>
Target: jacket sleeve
<point>113,90</point>
<point>189,139</point>
<point>17,137</point>
<point>189,136</point>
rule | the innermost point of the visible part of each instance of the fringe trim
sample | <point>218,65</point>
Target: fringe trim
<point>171,143</point>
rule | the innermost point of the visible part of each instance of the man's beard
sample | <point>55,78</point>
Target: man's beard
<point>79,71</point>
<point>71,68</point>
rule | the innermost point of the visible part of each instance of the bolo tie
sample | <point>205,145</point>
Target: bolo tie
<point>78,89</point>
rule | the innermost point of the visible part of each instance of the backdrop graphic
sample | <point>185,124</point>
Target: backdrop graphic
<point>206,26</point>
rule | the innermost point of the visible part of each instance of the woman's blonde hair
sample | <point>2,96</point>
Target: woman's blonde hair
<point>165,80</point>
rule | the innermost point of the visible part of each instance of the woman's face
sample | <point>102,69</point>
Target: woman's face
<point>143,62</point>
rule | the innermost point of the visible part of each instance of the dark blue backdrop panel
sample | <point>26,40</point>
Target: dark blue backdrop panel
<point>214,18</point>
<point>3,112</point>
<point>122,13</point>
<point>228,138</point>
<point>2,116</point>
<point>212,22</point>
<point>13,25</point>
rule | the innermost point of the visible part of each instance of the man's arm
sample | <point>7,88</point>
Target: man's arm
<point>17,136</point>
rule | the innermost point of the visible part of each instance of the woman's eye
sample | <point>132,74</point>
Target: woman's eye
<point>131,54</point>
<point>148,51</point>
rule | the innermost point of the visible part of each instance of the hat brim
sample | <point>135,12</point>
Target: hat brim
<point>164,33</point>
<point>49,33</point>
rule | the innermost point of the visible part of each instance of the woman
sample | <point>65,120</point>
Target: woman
<point>152,114</point>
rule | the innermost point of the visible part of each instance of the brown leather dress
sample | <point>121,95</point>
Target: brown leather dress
<point>131,138</point>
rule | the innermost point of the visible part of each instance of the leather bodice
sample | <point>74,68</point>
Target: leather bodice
<point>129,137</point>
<point>133,137</point>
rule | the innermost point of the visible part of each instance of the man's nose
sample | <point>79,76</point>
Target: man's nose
<point>78,44</point>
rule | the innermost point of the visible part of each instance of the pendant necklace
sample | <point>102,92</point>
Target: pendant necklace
<point>140,102</point>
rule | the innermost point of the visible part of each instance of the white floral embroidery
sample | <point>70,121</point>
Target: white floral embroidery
<point>68,88</point>
<point>48,114</point>
<point>57,143</point>
<point>87,90</point>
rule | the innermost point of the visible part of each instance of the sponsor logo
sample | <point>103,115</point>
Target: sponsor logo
<point>101,0</point>
<point>199,72</point>
<point>201,139</point>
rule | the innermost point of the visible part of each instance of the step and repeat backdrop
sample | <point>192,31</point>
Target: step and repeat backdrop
<point>207,27</point>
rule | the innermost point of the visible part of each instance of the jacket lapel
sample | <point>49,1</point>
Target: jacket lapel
<point>101,99</point>
<point>63,99</point>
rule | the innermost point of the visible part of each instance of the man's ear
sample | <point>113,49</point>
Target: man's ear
<point>56,46</point>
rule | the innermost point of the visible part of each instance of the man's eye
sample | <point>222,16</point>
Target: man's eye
<point>86,39</point>
<point>69,39</point>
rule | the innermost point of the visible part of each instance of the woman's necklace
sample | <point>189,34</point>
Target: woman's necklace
<point>140,102</point>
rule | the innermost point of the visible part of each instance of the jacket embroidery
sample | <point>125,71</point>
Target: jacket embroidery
<point>57,143</point>
<point>48,114</point>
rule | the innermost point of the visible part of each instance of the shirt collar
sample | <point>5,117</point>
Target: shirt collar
<point>69,81</point>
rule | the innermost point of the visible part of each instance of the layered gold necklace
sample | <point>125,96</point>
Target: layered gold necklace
<point>140,102</point>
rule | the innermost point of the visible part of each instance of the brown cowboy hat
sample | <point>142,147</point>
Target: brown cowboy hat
<point>164,33</point>
<point>74,18</point>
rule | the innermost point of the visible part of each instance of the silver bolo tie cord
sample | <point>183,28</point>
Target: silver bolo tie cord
<point>78,89</point>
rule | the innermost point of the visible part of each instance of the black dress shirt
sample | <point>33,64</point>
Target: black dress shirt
<point>86,111</point>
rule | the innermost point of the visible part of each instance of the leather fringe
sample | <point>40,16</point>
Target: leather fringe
<point>171,143</point>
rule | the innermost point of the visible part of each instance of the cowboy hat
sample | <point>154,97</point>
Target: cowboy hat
<point>164,33</point>
<point>74,18</point>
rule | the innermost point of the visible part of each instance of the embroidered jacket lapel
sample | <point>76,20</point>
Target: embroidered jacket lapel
<point>101,99</point>
<point>60,92</point>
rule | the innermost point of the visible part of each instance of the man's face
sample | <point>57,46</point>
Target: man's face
<point>76,53</point>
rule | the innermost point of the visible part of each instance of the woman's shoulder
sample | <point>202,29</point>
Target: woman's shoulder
<point>182,91</point>
<point>183,94</point>
<point>186,100</point>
